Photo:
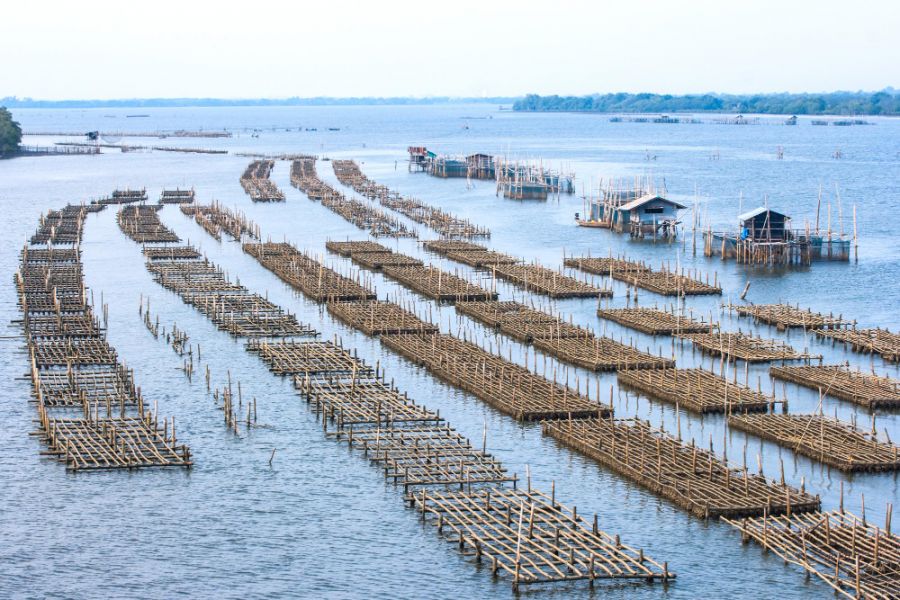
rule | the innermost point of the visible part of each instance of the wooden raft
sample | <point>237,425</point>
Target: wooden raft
<point>216,219</point>
<point>347,248</point>
<point>870,341</point>
<point>141,223</point>
<point>605,266</point>
<point>785,316</point>
<point>542,280</point>
<point>840,381</point>
<point>853,556</point>
<point>599,353</point>
<point>827,440</point>
<point>740,346</point>
<point>508,387</point>
<point>697,390</point>
<point>255,181</point>
<point>289,357</point>
<point>376,261</point>
<point>170,253</point>
<point>692,478</point>
<point>374,317</point>
<point>438,285</point>
<point>518,320</point>
<point>654,321</point>
<point>532,538</point>
<point>668,283</point>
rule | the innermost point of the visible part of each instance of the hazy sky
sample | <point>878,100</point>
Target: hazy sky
<point>269,48</point>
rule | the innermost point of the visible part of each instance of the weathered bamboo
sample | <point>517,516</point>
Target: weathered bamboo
<point>840,381</point>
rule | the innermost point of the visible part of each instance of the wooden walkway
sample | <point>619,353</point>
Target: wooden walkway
<point>822,439</point>
<point>697,390</point>
<point>855,557</point>
<point>840,381</point>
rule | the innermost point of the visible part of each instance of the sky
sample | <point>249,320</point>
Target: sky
<point>97,49</point>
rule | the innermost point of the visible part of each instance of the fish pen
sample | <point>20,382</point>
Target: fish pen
<point>697,390</point>
<point>823,439</point>
<point>605,266</point>
<point>507,386</point>
<point>376,261</point>
<point>546,281</point>
<point>216,219</point>
<point>690,477</point>
<point>784,316</point>
<point>171,253</point>
<point>374,317</point>
<point>533,538</point>
<point>654,321</point>
<point>291,357</point>
<point>255,181</point>
<point>306,274</point>
<point>360,214</point>
<point>444,223</point>
<point>141,223</point>
<point>868,341</point>
<point>601,353</point>
<point>447,166</point>
<point>177,196</point>
<point>438,285</point>
<point>347,248</point>
<point>733,346</point>
<point>669,283</point>
<point>865,389</point>
<point>856,558</point>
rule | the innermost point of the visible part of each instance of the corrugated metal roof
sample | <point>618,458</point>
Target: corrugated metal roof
<point>638,202</point>
<point>758,211</point>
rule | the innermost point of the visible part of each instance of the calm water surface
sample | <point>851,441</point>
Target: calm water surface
<point>321,521</point>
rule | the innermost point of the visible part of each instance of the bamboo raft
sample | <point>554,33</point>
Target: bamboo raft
<point>668,283</point>
<point>444,246</point>
<point>290,357</point>
<point>177,196</point>
<point>599,353</point>
<point>86,388</point>
<point>46,353</point>
<point>437,284</point>
<point>840,381</point>
<point>518,320</point>
<point>376,261</point>
<point>306,274</point>
<point>361,214</point>
<point>546,281</point>
<point>216,219</point>
<point>348,248</point>
<point>170,253</point>
<point>822,439</point>
<point>690,477</point>
<point>468,253</point>
<point>532,538</point>
<point>785,316</point>
<point>255,181</point>
<point>508,387</point>
<point>141,223</point>
<point>126,196</point>
<point>61,227</point>
<point>444,223</point>
<point>740,346</point>
<point>654,321</point>
<point>605,266</point>
<point>697,390</point>
<point>853,556</point>
<point>374,317</point>
<point>870,341</point>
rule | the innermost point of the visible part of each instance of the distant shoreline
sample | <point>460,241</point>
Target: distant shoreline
<point>11,102</point>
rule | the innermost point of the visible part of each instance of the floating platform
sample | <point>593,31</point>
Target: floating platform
<point>840,381</point>
<point>290,357</point>
<point>869,341</point>
<point>667,283</point>
<point>697,390</point>
<point>374,317</point>
<point>141,223</point>
<point>599,353</point>
<point>740,346</point>
<point>605,266</point>
<point>654,321</point>
<point>822,439</point>
<point>215,219</point>
<point>438,285</point>
<point>784,316</point>
<point>348,248</point>
<point>690,477</point>
<point>171,253</point>
<point>376,261</point>
<point>546,281</point>
<point>255,181</point>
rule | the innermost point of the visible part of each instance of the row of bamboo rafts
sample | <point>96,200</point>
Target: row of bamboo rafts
<point>856,558</point>
<point>532,277</point>
<point>416,448</point>
<point>63,227</point>
<point>255,181</point>
<point>141,223</point>
<point>215,219</point>
<point>742,346</point>
<point>785,316</point>
<point>823,439</point>
<point>654,321</point>
<point>374,317</point>
<point>690,477</point>
<point>90,413</point>
<point>305,273</point>
<point>566,341</point>
<point>697,390</point>
<point>866,389</point>
<point>870,341</point>
<point>362,214</point>
<point>666,282</point>
<point>444,223</point>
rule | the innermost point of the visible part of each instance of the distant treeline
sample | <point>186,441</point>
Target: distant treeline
<point>836,103</point>
<point>13,102</point>
<point>10,134</point>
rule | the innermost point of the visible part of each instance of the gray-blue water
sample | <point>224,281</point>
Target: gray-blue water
<point>321,521</point>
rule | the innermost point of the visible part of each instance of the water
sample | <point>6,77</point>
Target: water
<point>321,521</point>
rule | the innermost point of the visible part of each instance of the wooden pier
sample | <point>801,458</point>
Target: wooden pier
<point>374,317</point>
<point>697,390</point>
<point>869,341</point>
<point>255,181</point>
<point>822,439</point>
<point>741,346</point>
<point>690,477</point>
<point>840,381</point>
<point>856,558</point>
<point>785,316</point>
<point>654,321</point>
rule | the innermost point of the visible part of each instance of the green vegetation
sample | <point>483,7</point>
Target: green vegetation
<point>10,133</point>
<point>837,103</point>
